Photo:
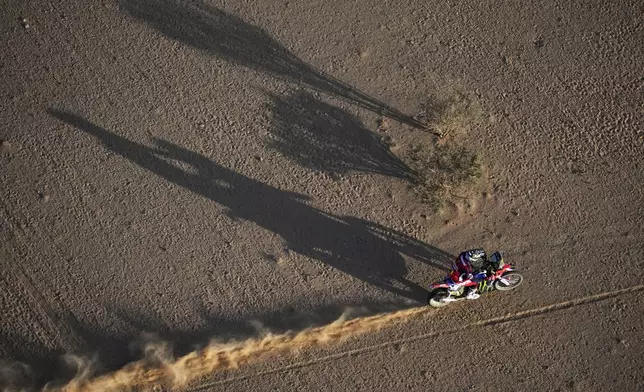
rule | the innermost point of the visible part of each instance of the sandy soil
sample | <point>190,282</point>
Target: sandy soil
<point>205,170</point>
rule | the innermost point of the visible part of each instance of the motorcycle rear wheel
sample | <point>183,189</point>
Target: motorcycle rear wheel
<point>435,299</point>
<point>513,279</point>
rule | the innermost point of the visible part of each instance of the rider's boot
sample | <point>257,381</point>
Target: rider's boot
<point>472,294</point>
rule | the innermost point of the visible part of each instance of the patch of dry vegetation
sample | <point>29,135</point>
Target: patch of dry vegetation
<point>441,171</point>
<point>455,112</point>
<point>443,168</point>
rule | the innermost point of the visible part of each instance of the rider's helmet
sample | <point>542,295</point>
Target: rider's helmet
<point>476,257</point>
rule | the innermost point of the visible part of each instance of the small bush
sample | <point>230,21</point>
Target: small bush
<point>455,111</point>
<point>440,170</point>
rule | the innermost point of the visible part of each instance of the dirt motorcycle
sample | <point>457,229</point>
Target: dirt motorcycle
<point>497,276</point>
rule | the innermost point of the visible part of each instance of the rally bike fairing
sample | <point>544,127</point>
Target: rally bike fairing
<point>501,277</point>
<point>477,279</point>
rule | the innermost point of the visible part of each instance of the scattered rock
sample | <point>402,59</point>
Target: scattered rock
<point>363,53</point>
<point>5,146</point>
<point>539,43</point>
<point>25,23</point>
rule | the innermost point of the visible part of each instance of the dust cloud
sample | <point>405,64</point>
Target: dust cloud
<point>159,370</point>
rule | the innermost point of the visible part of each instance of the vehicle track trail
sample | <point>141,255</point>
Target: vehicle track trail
<point>40,297</point>
<point>161,369</point>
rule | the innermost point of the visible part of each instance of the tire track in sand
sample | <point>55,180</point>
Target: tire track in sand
<point>41,296</point>
<point>479,324</point>
<point>180,373</point>
<point>467,327</point>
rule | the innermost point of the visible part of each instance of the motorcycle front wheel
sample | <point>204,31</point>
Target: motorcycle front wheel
<point>513,279</point>
<point>436,298</point>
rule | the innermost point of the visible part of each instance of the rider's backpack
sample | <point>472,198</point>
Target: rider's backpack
<point>496,260</point>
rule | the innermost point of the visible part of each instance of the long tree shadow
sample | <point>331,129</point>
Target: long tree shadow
<point>349,244</point>
<point>326,138</point>
<point>229,37</point>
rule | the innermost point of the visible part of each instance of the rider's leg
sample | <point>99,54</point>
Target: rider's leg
<point>471,293</point>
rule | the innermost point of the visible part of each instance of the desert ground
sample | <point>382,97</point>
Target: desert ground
<point>181,177</point>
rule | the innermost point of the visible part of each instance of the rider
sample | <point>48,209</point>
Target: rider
<point>463,269</point>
